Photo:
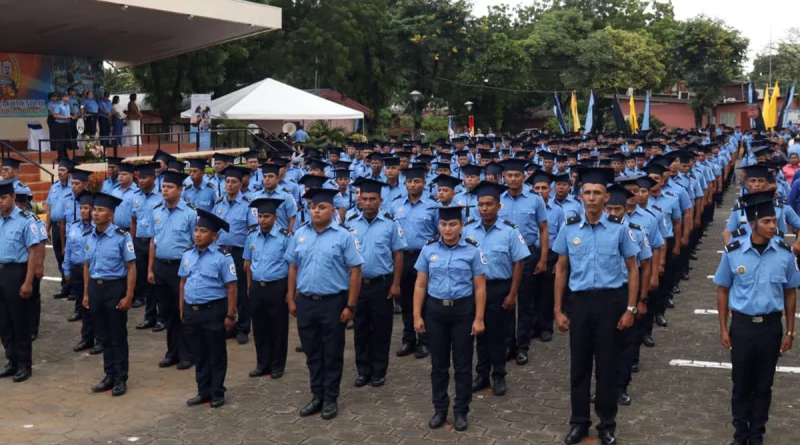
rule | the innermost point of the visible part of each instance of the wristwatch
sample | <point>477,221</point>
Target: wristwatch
<point>233,317</point>
<point>633,310</point>
<point>352,309</point>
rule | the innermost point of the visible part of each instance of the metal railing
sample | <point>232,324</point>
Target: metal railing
<point>6,150</point>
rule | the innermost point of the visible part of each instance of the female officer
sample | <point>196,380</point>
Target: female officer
<point>451,283</point>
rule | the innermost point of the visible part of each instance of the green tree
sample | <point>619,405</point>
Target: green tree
<point>783,63</point>
<point>119,81</point>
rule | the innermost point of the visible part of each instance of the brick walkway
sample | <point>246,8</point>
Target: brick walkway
<point>671,405</point>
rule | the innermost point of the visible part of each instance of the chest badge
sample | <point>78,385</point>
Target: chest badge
<point>576,242</point>
<point>185,263</point>
<point>741,270</point>
<point>400,209</point>
<point>301,239</point>
<point>219,211</point>
<point>434,258</point>
<point>355,231</point>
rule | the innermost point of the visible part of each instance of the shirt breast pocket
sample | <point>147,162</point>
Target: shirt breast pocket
<point>498,253</point>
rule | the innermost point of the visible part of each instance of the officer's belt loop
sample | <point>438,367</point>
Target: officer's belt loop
<point>12,265</point>
<point>377,279</point>
<point>757,319</point>
<point>267,283</point>
<point>178,261</point>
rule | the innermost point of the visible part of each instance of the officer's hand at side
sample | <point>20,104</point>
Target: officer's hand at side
<point>725,339</point>
<point>125,303</point>
<point>151,277</point>
<point>292,307</point>
<point>625,322</point>
<point>68,278</point>
<point>676,251</point>
<point>346,316</point>
<point>229,324</point>
<point>394,292</point>
<point>641,309</point>
<point>85,302</point>
<point>478,327</point>
<point>510,301</point>
<point>786,344</point>
<point>541,267</point>
<point>419,325</point>
<point>562,322</point>
<point>39,272</point>
<point>26,290</point>
<point>654,282</point>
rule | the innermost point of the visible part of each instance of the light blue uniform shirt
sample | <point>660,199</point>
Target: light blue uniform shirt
<point>42,229</point>
<point>323,259</point>
<point>527,210</point>
<point>451,270</point>
<point>266,251</point>
<point>555,219</point>
<point>389,193</point>
<point>417,220</point>
<point>143,205</point>
<point>649,224</point>
<point>501,244</point>
<point>21,189</point>
<point>202,197</point>
<point>124,211</point>
<point>570,206</point>
<point>286,210</point>
<point>74,105</point>
<point>55,200</point>
<point>70,208</point>
<point>378,240</point>
<point>75,247</point>
<point>471,201</point>
<point>594,253</point>
<point>109,185</point>
<point>757,281</point>
<point>19,232</point>
<point>668,205</point>
<point>739,225</point>
<point>108,252</point>
<point>90,105</point>
<point>61,109</point>
<point>645,251</point>
<point>105,107</point>
<point>240,218</point>
<point>684,201</point>
<point>173,230</point>
<point>206,274</point>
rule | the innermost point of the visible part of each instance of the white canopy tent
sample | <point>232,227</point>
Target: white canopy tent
<point>270,100</point>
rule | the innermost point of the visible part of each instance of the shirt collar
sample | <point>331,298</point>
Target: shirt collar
<point>108,232</point>
<point>461,242</point>
<point>747,244</point>
<point>272,232</point>
<point>362,217</point>
<point>602,221</point>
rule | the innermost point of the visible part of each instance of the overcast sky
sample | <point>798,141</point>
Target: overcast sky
<point>753,19</point>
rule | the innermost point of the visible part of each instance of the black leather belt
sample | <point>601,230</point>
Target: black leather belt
<point>377,279</point>
<point>206,306</point>
<point>452,303</point>
<point>144,240</point>
<point>170,262</point>
<point>12,265</point>
<point>412,252</point>
<point>322,297</point>
<point>757,319</point>
<point>104,282</point>
<point>266,283</point>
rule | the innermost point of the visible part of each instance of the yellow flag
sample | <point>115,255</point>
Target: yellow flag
<point>765,108</point>
<point>573,106</point>
<point>773,108</point>
<point>634,119</point>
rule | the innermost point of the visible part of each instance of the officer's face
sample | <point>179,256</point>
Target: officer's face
<point>334,158</point>
<point>232,185</point>
<point>203,237</point>
<point>125,179</point>
<point>548,165</point>
<point>443,171</point>
<point>685,167</point>
<point>102,216</point>
<point>485,160</point>
<point>62,173</point>
<point>562,189</point>
<point>170,192</point>
<point>450,230</point>
<point>219,166</point>
<point>643,196</point>
<point>86,212</point>
<point>415,186</point>
<point>113,170</point>
<point>391,172</point>
<point>674,166</point>
<point>471,181</point>
<point>618,211</point>
<point>493,178</point>
<point>270,181</point>
<point>543,189</point>
<point>445,194</point>
<point>8,172</point>
<point>404,162</point>
<point>7,203</point>
<point>594,197</point>
<point>370,203</point>
<point>342,183</point>
<point>266,221</point>
<point>463,160</point>
<point>252,164</point>
<point>766,228</point>
<point>147,182</point>
<point>755,185</point>
<point>316,172</point>
<point>77,187</point>
<point>196,174</point>
<point>322,213</point>
<point>514,179</point>
<point>488,207</point>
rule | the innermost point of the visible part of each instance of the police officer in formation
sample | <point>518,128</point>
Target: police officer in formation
<point>55,217</point>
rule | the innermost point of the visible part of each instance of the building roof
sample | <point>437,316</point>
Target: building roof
<point>339,98</point>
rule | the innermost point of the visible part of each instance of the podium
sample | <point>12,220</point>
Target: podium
<point>35,134</point>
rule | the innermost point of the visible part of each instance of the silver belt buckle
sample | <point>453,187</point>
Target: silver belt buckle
<point>262,284</point>
<point>448,303</point>
<point>316,298</point>
<point>758,319</point>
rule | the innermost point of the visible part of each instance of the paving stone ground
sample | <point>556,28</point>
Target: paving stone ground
<point>671,405</point>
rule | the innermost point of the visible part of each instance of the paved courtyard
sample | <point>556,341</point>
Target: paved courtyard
<point>671,404</point>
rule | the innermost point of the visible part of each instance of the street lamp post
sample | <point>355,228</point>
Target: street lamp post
<point>415,95</point>
<point>471,122</point>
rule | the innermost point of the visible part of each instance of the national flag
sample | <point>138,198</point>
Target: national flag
<point>573,106</point>
<point>634,120</point>
<point>765,109</point>
<point>471,125</point>
<point>783,117</point>
<point>619,119</point>
<point>773,107</point>
<point>450,132</point>
<point>559,113</point>
<point>646,117</point>
<point>590,113</point>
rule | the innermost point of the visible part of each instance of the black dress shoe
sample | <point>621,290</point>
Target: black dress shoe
<point>576,434</point>
<point>258,372</point>
<point>159,326</point>
<point>276,374</point>
<point>676,289</point>
<point>182,366</point>
<point>120,388</point>
<point>167,362</point>
<point>693,256</point>
<point>147,324</point>
<point>607,437</point>
<point>104,385</point>
<point>438,420</point>
<point>480,382</point>
<point>74,317</point>
<point>361,381</point>
<point>137,304</point>
<point>634,368</point>
<point>71,297</point>
<point>96,349</point>
<point>661,320</point>
<point>406,349</point>
<point>8,371</point>
<point>299,349</point>
<point>755,441</point>
<point>648,341</point>
<point>22,375</point>
<point>546,336</point>
<point>378,381</point>
<point>685,276</point>
<point>522,357</point>
<point>499,386</point>
<point>329,410</point>
<point>421,352</point>
<point>81,346</point>
<point>197,400</point>
<point>60,295</point>
<point>350,325</point>
<point>216,402</point>
<point>669,304</point>
<point>623,398</point>
<point>460,422</point>
<point>313,407</point>
<point>241,338</point>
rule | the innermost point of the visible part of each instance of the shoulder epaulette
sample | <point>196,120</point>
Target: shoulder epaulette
<point>614,218</point>
<point>221,198</point>
<point>188,248</point>
<point>352,217</point>
<point>225,250</point>
<point>634,226</point>
<point>87,231</point>
<point>783,244</point>
<point>346,227</point>
<point>191,206</point>
<point>730,247</point>
<point>285,232</point>
<point>68,194</point>
<point>572,220</point>
<point>431,241</point>
<point>116,186</point>
<point>286,190</point>
<point>669,193</point>
<point>251,229</point>
<point>739,232</point>
<point>779,203</point>
<point>22,184</point>
<point>658,208</point>
<point>27,214</point>
<point>472,241</point>
<point>648,211</point>
<point>121,231</point>
<point>397,197</point>
<point>470,221</point>
<point>36,217</point>
<point>246,198</point>
<point>389,216</point>
<point>159,205</point>
<point>510,223</point>
<point>210,185</point>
